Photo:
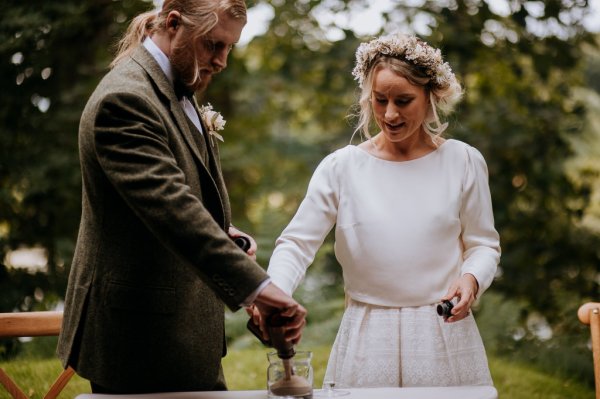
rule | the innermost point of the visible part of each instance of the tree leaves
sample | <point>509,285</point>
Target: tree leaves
<point>287,97</point>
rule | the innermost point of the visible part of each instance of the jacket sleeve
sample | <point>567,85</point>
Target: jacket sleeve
<point>131,142</point>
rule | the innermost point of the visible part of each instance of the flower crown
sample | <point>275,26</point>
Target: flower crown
<point>409,48</point>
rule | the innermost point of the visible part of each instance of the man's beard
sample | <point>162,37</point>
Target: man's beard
<point>186,69</point>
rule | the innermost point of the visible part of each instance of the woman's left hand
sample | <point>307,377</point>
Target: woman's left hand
<point>465,289</point>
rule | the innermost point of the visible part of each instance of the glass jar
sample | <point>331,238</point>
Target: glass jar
<point>290,378</point>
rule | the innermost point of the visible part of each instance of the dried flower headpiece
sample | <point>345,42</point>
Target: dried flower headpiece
<point>409,48</point>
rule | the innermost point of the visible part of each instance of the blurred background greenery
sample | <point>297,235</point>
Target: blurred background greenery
<point>531,70</point>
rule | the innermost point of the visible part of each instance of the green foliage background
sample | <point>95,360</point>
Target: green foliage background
<point>531,107</point>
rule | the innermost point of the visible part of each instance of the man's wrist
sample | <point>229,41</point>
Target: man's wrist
<point>252,297</point>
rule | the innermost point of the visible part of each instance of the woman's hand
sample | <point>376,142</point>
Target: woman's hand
<point>234,232</point>
<point>465,289</point>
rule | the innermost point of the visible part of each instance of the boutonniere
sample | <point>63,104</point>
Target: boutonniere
<point>213,121</point>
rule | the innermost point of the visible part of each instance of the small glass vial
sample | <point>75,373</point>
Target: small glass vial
<point>290,378</point>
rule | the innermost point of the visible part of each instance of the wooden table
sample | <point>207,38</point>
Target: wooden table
<point>355,393</point>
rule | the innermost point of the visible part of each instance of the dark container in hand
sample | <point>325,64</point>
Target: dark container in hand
<point>275,323</point>
<point>444,309</point>
<point>242,242</point>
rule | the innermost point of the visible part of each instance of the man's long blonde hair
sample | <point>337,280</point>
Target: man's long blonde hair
<point>201,15</point>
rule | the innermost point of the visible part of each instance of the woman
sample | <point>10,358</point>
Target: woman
<point>413,226</point>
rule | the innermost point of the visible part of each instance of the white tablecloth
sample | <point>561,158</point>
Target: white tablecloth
<point>355,393</point>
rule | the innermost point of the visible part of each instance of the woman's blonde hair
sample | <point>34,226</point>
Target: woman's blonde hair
<point>201,15</point>
<point>420,64</point>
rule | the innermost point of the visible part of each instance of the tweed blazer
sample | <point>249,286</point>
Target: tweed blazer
<point>152,265</point>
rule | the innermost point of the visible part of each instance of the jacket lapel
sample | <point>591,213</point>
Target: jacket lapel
<point>214,165</point>
<point>164,86</point>
<point>146,61</point>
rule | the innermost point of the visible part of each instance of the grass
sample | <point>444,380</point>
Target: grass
<point>246,370</point>
<point>35,377</point>
<point>520,381</point>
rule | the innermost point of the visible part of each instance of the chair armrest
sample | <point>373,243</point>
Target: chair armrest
<point>584,311</point>
<point>30,324</point>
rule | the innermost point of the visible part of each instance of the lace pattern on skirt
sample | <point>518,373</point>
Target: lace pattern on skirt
<point>405,347</point>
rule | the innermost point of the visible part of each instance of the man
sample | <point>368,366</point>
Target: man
<point>155,259</point>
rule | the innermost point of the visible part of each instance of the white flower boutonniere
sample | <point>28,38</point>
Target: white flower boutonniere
<point>213,121</point>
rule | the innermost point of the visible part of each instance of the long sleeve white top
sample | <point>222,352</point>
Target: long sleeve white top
<point>403,230</point>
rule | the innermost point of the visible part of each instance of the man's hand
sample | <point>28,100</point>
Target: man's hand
<point>233,232</point>
<point>273,300</point>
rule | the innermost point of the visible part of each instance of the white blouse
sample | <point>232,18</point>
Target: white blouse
<point>403,230</point>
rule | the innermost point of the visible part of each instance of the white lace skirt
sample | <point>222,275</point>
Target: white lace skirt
<point>405,347</point>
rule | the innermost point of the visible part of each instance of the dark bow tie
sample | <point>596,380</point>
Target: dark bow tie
<point>182,91</point>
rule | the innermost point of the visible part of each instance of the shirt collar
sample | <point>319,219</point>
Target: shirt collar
<point>160,57</point>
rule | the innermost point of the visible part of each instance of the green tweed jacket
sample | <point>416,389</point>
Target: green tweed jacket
<point>153,265</point>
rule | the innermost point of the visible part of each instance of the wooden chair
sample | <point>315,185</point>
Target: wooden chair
<point>32,324</point>
<point>589,313</point>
